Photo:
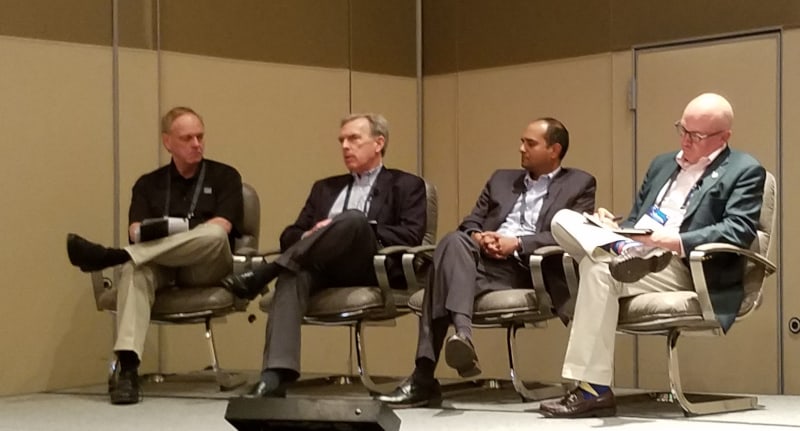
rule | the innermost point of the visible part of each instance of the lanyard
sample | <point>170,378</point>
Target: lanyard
<point>366,201</point>
<point>196,194</point>
<point>672,180</point>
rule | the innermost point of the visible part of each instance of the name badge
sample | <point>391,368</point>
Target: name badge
<point>657,215</point>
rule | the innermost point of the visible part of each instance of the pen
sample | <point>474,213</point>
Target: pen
<point>618,218</point>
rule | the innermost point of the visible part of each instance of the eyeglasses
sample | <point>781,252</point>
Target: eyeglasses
<point>694,137</point>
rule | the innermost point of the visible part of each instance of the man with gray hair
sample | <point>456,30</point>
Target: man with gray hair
<point>182,221</point>
<point>346,218</point>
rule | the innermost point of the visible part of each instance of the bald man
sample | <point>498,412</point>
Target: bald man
<point>704,192</point>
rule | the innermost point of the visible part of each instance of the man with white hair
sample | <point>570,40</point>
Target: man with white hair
<point>704,192</point>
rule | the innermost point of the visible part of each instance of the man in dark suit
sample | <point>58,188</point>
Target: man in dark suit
<point>706,192</point>
<point>490,250</point>
<point>345,220</point>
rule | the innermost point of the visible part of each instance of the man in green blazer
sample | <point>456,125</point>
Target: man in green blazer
<point>705,192</point>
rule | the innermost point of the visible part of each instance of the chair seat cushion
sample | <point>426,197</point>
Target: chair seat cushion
<point>340,300</point>
<point>183,300</point>
<point>660,310</point>
<point>492,303</point>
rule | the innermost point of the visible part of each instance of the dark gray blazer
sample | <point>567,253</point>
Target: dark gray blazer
<point>724,207</point>
<point>571,188</point>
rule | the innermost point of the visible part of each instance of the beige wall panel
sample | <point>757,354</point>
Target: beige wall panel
<point>665,85</point>
<point>139,144</point>
<point>57,144</point>
<point>440,145</point>
<point>396,98</point>
<point>278,125</point>
<point>622,186</point>
<point>790,272</point>
<point>494,106</point>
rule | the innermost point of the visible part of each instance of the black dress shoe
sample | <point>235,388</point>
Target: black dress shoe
<point>250,284</point>
<point>460,355</point>
<point>636,262</point>
<point>412,393</point>
<point>244,285</point>
<point>125,388</point>
<point>262,390</point>
<point>89,256</point>
<point>574,405</point>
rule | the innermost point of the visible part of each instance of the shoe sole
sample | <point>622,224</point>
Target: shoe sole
<point>597,413</point>
<point>433,403</point>
<point>459,355</point>
<point>635,268</point>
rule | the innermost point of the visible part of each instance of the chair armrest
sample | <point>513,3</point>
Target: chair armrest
<point>535,262</point>
<point>409,272</point>
<point>382,274</point>
<point>719,247</point>
<point>100,284</point>
<point>703,252</point>
<point>245,257</point>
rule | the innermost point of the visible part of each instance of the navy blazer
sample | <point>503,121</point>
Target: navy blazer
<point>571,188</point>
<point>724,207</point>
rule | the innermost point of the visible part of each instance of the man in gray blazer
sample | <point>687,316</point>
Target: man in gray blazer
<point>706,192</point>
<point>489,252</point>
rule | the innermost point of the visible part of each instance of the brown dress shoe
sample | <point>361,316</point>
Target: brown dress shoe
<point>637,261</point>
<point>573,405</point>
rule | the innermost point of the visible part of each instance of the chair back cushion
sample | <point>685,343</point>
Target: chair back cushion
<point>432,214</point>
<point>251,220</point>
<point>754,276</point>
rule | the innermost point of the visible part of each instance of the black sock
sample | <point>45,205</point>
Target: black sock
<point>274,377</point>
<point>463,324</point>
<point>128,360</point>
<point>266,273</point>
<point>424,370</point>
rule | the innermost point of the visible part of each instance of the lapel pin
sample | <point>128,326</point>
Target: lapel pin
<point>714,174</point>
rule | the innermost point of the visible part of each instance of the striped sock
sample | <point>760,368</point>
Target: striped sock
<point>619,246</point>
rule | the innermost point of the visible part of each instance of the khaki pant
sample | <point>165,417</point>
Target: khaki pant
<point>199,257</point>
<point>590,352</point>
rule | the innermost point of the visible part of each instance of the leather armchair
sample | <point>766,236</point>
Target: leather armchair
<point>191,304</point>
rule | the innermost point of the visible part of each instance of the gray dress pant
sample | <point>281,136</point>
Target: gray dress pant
<point>337,255</point>
<point>460,274</point>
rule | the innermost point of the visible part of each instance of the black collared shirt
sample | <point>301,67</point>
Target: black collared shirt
<point>220,195</point>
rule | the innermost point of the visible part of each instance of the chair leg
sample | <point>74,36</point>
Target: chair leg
<point>540,392</point>
<point>361,362</point>
<point>226,381</point>
<point>707,403</point>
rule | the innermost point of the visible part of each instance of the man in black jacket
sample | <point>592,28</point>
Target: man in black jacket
<point>345,220</point>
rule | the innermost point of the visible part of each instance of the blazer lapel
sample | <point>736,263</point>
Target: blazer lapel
<point>656,184</point>
<point>710,177</point>
<point>337,184</point>
<point>510,197</point>
<point>557,185</point>
<point>379,193</point>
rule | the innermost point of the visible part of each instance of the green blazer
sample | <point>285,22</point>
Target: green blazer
<point>724,206</point>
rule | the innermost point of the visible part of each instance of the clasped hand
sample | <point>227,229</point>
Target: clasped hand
<point>495,245</point>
